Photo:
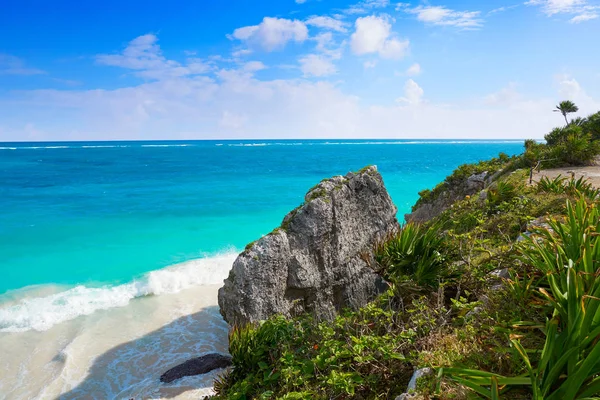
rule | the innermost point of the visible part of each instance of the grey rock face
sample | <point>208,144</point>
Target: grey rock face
<point>453,192</point>
<point>313,263</point>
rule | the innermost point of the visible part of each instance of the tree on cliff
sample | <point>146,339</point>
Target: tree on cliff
<point>566,107</point>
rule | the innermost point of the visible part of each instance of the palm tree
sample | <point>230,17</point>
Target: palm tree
<point>566,107</point>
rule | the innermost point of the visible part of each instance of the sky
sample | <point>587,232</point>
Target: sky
<point>180,70</point>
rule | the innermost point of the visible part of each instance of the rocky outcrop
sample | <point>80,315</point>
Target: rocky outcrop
<point>196,366</point>
<point>312,263</point>
<point>450,193</point>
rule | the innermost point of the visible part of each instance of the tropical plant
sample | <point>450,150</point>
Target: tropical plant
<point>592,125</point>
<point>566,107</point>
<point>500,193</point>
<point>569,363</point>
<point>411,255</point>
<point>555,185</point>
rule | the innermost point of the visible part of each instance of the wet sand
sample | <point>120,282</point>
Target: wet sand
<point>118,353</point>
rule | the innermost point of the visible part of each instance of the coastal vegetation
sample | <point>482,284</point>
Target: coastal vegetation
<point>498,296</point>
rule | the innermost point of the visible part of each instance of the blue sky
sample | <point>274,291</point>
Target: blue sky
<point>294,69</point>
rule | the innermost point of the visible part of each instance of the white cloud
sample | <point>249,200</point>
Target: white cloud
<point>235,104</point>
<point>505,97</point>
<point>502,9</point>
<point>11,65</point>
<point>327,45</point>
<point>414,70</point>
<point>231,120</point>
<point>366,6</point>
<point>272,33</point>
<point>586,16</point>
<point>327,23</point>
<point>373,35</point>
<point>143,55</point>
<point>241,53</point>
<point>239,106</point>
<point>316,65</point>
<point>370,64</point>
<point>439,15</point>
<point>253,66</point>
<point>413,93</point>
<point>581,9</point>
<point>570,89</point>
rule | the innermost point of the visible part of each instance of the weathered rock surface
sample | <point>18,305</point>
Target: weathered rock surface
<point>196,366</point>
<point>312,263</point>
<point>452,192</point>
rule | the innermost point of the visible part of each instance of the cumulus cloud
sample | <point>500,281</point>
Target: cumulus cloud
<point>316,65</point>
<point>414,70</point>
<point>413,93</point>
<point>11,65</point>
<point>439,15</point>
<point>327,23</point>
<point>234,103</point>
<point>374,35</point>
<point>143,54</point>
<point>580,9</point>
<point>272,33</point>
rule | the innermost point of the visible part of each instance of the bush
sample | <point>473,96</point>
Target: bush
<point>568,367</point>
<point>569,146</point>
<point>412,255</point>
<point>592,125</point>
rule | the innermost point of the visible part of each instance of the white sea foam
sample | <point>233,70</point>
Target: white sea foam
<point>42,313</point>
<point>248,144</point>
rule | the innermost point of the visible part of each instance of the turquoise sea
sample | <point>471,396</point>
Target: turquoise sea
<point>85,217</point>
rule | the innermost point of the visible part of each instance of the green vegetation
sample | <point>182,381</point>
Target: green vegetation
<point>529,335</point>
<point>502,163</point>
<point>413,256</point>
<point>566,107</point>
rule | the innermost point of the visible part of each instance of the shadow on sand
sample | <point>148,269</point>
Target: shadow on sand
<point>132,370</point>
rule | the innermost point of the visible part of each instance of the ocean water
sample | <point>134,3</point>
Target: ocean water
<point>128,241</point>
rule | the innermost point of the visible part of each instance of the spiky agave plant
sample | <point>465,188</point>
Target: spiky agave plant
<point>548,185</point>
<point>413,255</point>
<point>569,364</point>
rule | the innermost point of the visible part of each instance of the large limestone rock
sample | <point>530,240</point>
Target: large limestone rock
<point>313,263</point>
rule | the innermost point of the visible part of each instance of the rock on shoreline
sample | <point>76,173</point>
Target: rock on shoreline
<point>196,366</point>
<point>312,263</point>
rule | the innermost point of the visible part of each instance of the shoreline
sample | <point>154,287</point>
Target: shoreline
<point>119,352</point>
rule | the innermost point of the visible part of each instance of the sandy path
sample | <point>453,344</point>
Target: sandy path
<point>592,173</point>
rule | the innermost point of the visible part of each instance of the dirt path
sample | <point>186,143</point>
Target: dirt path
<point>592,173</point>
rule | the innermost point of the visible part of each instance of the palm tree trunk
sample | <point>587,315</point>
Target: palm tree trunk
<point>566,120</point>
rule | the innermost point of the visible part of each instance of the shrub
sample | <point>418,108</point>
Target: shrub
<point>412,255</point>
<point>568,366</point>
<point>499,193</point>
<point>591,125</point>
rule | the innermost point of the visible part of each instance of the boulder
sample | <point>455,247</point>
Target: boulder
<point>312,262</point>
<point>196,366</point>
